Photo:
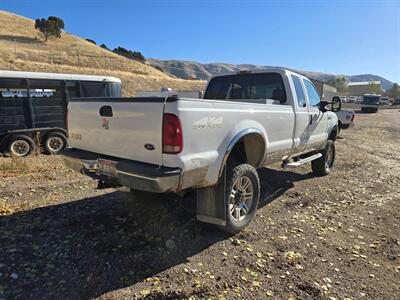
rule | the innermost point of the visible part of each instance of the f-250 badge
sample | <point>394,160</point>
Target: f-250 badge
<point>105,123</point>
<point>208,122</point>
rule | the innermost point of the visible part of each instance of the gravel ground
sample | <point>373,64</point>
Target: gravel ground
<point>334,237</point>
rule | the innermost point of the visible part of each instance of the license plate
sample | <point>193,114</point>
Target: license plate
<point>107,167</point>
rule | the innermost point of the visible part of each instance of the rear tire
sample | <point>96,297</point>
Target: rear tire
<point>20,145</point>
<point>323,165</point>
<point>242,197</point>
<point>54,142</point>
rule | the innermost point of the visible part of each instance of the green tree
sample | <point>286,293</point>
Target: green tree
<point>374,88</point>
<point>136,55</point>
<point>394,91</point>
<point>50,27</point>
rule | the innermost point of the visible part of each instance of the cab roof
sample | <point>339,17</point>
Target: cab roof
<point>264,70</point>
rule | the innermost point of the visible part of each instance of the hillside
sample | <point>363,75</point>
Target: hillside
<point>195,70</point>
<point>21,48</point>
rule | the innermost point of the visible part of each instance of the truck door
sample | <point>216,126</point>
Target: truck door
<point>318,121</point>
<point>301,133</point>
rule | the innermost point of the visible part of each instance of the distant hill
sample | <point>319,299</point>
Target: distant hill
<point>195,70</point>
<point>386,84</point>
<point>22,49</point>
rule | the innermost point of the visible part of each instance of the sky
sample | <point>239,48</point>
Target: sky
<point>335,36</point>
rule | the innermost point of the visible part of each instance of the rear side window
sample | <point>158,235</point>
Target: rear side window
<point>219,88</point>
<point>248,87</point>
<point>301,99</point>
<point>313,96</point>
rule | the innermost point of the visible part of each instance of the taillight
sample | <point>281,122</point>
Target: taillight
<point>172,140</point>
<point>353,117</point>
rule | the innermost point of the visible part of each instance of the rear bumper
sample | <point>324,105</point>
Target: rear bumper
<point>136,175</point>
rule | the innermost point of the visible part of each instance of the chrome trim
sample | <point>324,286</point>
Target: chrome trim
<point>129,179</point>
<point>136,175</point>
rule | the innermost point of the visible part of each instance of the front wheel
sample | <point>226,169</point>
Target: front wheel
<point>323,165</point>
<point>242,196</point>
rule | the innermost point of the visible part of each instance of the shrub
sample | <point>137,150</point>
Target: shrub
<point>91,41</point>
<point>136,55</point>
<point>104,46</point>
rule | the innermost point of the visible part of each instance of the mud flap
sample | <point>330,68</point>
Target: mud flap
<point>210,203</point>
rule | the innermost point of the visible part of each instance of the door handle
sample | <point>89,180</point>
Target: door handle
<point>311,117</point>
<point>106,111</point>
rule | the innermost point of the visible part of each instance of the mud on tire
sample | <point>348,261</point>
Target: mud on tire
<point>242,197</point>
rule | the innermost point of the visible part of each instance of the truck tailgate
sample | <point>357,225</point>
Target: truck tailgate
<point>129,128</point>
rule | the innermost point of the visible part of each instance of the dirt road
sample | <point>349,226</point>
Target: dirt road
<point>332,237</point>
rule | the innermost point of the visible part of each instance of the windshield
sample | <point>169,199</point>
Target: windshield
<point>371,99</point>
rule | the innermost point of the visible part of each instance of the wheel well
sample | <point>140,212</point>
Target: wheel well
<point>333,134</point>
<point>44,134</point>
<point>248,149</point>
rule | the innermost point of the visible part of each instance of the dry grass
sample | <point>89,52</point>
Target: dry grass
<point>12,167</point>
<point>21,48</point>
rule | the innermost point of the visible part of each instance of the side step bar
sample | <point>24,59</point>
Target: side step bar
<point>300,162</point>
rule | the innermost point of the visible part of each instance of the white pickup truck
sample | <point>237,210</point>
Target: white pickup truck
<point>345,118</point>
<point>213,145</point>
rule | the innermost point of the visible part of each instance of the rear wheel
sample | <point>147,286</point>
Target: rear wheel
<point>323,165</point>
<point>54,142</point>
<point>20,145</point>
<point>242,196</point>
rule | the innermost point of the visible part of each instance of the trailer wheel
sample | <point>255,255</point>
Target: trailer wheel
<point>54,142</point>
<point>243,193</point>
<point>20,145</point>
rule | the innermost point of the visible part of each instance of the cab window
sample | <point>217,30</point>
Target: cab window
<point>257,88</point>
<point>313,96</point>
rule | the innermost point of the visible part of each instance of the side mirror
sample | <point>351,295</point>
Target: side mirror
<point>336,104</point>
